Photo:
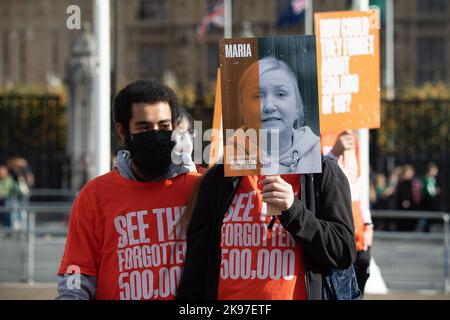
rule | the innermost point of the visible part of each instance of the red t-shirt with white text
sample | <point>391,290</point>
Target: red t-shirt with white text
<point>259,263</point>
<point>129,235</point>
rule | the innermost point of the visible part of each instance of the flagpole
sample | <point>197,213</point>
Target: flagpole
<point>309,17</point>
<point>390,63</point>
<point>228,19</point>
<point>390,75</point>
<point>102,90</point>
<point>363,5</point>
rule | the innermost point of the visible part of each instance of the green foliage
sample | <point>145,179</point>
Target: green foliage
<point>414,126</point>
<point>32,123</point>
<point>427,91</point>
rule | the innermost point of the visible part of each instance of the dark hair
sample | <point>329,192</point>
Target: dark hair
<point>146,91</point>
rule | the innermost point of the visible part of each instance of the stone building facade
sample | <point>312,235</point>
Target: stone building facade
<point>156,36</point>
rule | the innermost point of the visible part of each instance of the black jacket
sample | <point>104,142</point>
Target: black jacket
<point>326,237</point>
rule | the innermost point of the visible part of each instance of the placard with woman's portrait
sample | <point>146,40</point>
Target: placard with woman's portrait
<point>270,108</point>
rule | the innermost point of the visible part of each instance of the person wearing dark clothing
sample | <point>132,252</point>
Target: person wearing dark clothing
<point>430,195</point>
<point>322,238</point>
<point>7,189</point>
<point>430,190</point>
<point>408,197</point>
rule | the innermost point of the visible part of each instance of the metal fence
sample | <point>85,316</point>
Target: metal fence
<point>34,126</point>
<point>415,132</point>
<point>33,250</point>
<point>407,260</point>
<point>414,260</point>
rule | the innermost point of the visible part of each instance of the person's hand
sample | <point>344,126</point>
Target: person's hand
<point>277,192</point>
<point>345,141</point>
<point>368,236</point>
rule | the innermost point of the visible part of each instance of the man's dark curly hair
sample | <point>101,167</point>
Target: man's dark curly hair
<point>146,91</point>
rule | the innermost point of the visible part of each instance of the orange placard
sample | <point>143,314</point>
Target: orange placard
<point>216,139</point>
<point>348,64</point>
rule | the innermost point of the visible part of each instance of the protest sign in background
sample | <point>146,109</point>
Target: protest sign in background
<point>348,63</point>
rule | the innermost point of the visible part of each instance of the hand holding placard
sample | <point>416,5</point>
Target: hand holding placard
<point>277,193</point>
<point>272,210</point>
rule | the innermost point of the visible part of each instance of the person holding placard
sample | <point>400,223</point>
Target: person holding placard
<point>257,236</point>
<point>236,250</point>
<point>344,148</point>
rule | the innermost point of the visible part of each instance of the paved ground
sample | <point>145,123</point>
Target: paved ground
<point>408,263</point>
<point>399,295</point>
<point>21,291</point>
<point>47,291</point>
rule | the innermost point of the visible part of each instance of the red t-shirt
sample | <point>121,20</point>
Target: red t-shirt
<point>129,235</point>
<point>259,263</point>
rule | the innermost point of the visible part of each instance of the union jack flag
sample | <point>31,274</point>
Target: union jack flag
<point>215,17</point>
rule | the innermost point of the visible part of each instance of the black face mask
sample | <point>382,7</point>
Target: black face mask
<point>151,152</point>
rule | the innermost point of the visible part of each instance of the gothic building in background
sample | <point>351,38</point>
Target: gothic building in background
<point>151,37</point>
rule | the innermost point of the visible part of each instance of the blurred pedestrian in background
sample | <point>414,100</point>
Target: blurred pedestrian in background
<point>409,187</point>
<point>430,190</point>
<point>409,196</point>
<point>381,194</point>
<point>7,189</point>
<point>21,172</point>
<point>391,192</point>
<point>184,137</point>
<point>23,177</point>
<point>430,195</point>
<point>345,150</point>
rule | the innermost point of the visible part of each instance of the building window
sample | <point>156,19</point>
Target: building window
<point>421,6</point>
<point>55,51</point>
<point>431,6</point>
<point>22,56</point>
<point>151,10</point>
<point>430,60</point>
<point>152,61</point>
<point>282,6</point>
<point>213,60</point>
<point>212,4</point>
<point>6,55</point>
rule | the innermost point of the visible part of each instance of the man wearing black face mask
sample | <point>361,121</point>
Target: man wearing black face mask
<point>151,153</point>
<point>126,238</point>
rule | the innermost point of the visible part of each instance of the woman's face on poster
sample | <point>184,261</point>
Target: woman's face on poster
<point>278,100</point>
<point>250,106</point>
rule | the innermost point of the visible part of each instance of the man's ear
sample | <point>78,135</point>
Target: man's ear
<point>121,131</point>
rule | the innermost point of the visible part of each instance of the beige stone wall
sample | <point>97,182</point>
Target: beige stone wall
<point>37,39</point>
<point>168,41</point>
<point>411,25</point>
